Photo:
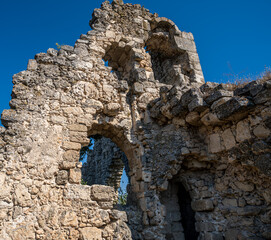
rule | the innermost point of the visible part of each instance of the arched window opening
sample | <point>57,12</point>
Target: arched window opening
<point>105,164</point>
<point>170,64</point>
<point>180,217</point>
<point>118,57</point>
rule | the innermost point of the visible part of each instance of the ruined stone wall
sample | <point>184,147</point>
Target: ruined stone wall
<point>151,101</point>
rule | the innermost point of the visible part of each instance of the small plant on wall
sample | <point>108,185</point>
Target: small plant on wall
<point>122,197</point>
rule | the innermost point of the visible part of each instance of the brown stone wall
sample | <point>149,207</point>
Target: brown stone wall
<point>151,101</point>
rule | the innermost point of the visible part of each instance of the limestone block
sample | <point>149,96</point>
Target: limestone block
<point>193,118</point>
<point>262,97</point>
<point>8,116</point>
<point>75,176</point>
<point>92,103</point>
<point>210,119</point>
<point>110,34</point>
<point>103,193</point>
<point>197,104</point>
<point>204,227</point>
<point>79,137</point>
<point>67,165</point>
<point>71,146</point>
<point>202,205</point>
<point>118,215</point>
<point>77,127</point>
<point>73,110</point>
<point>112,109</point>
<point>91,91</point>
<point>214,96</point>
<point>138,87</point>
<point>23,231</point>
<point>62,177</point>
<point>261,132</point>
<point>246,187</point>
<point>236,105</point>
<point>230,202</point>
<point>22,196</point>
<point>71,156</point>
<point>69,219</point>
<point>254,120</point>
<point>2,179</point>
<point>219,102</point>
<point>228,139</point>
<point>91,233</point>
<point>215,143</point>
<point>242,131</point>
<point>58,119</point>
<point>185,44</point>
<point>32,65</point>
<point>249,211</point>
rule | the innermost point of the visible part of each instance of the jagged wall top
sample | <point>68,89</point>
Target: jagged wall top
<point>168,47</point>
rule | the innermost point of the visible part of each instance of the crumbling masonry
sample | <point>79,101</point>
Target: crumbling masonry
<point>198,153</point>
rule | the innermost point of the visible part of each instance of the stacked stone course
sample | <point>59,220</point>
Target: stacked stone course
<point>152,102</point>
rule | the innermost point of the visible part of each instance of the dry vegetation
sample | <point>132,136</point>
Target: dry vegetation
<point>237,81</point>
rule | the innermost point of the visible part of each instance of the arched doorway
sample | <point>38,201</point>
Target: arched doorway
<point>180,218</point>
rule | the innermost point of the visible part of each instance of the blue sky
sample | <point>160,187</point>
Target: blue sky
<point>232,37</point>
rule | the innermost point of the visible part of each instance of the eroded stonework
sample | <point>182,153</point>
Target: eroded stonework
<point>151,101</point>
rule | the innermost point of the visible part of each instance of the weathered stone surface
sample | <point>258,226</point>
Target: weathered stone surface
<point>179,142</point>
<point>215,143</point>
<point>242,131</point>
<point>62,177</point>
<point>202,205</point>
<point>235,105</point>
<point>91,233</point>
<point>228,139</point>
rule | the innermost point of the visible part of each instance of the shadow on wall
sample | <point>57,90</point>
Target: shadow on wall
<point>180,217</point>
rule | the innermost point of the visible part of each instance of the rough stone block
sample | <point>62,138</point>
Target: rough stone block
<point>261,132</point>
<point>228,139</point>
<point>202,205</point>
<point>75,176</point>
<point>229,202</point>
<point>204,227</point>
<point>112,109</point>
<point>8,116</point>
<point>32,65</point>
<point>62,177</point>
<point>71,156</point>
<point>235,105</point>
<point>91,233</point>
<point>193,119</point>
<point>102,193</point>
<point>69,219</point>
<point>71,146</point>
<point>215,143</point>
<point>214,96</point>
<point>242,131</point>
<point>138,87</point>
<point>210,119</point>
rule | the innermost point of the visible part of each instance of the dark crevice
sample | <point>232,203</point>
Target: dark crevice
<point>188,215</point>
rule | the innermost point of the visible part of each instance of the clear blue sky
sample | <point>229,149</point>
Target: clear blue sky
<point>232,32</point>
